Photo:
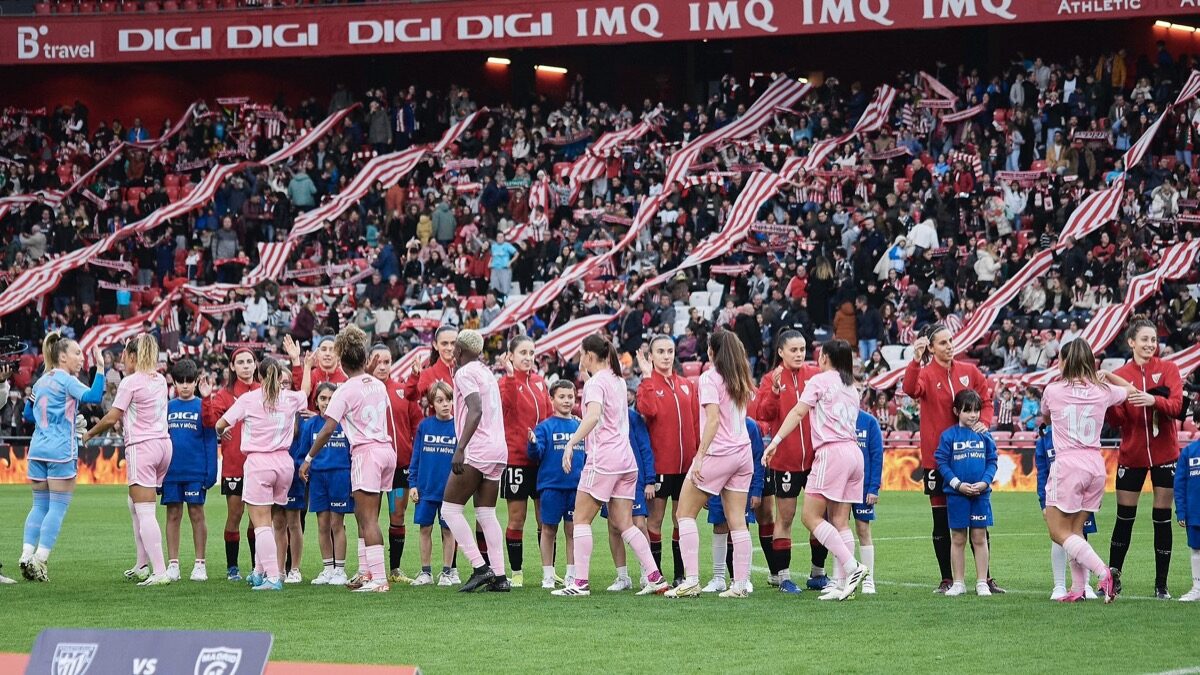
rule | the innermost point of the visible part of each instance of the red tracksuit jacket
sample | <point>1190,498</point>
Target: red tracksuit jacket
<point>525,402</point>
<point>672,412</point>
<point>935,387</point>
<point>1142,445</point>
<point>796,451</point>
<point>232,458</point>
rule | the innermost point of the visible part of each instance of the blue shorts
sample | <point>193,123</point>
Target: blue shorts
<point>297,495</point>
<point>182,492</point>
<point>329,490</point>
<point>556,505</point>
<point>639,504</point>
<point>716,512</point>
<point>1089,525</point>
<point>864,512</point>
<point>41,470</point>
<point>966,512</point>
<point>426,511</point>
<point>1193,537</point>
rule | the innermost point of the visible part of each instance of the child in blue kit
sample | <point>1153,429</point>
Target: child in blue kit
<point>870,440</point>
<point>1187,510</point>
<point>966,459</point>
<point>193,468</point>
<point>434,443</point>
<point>722,549</point>
<point>329,493</point>
<point>1043,459</point>
<point>556,490</point>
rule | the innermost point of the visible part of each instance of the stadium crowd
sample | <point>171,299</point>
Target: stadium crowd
<point>915,224</point>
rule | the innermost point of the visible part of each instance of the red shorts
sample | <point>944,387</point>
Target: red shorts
<point>146,463</point>
<point>372,468</point>
<point>723,472</point>
<point>606,486</point>
<point>268,477</point>
<point>490,470</point>
<point>837,473</point>
<point>1076,482</point>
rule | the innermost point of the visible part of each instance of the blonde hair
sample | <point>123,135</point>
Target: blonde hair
<point>54,345</point>
<point>145,350</point>
<point>270,371</point>
<point>1078,363</point>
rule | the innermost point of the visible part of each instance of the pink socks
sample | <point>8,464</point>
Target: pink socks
<point>485,516</point>
<point>151,536</point>
<point>583,554</point>
<point>463,533</point>
<point>831,539</point>
<point>689,547</point>
<point>375,562</point>
<point>268,552</point>
<point>1082,552</point>
<point>137,536</point>
<point>641,548</point>
<point>741,554</point>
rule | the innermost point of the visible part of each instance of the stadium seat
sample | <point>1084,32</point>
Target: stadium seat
<point>173,193</point>
<point>1024,437</point>
<point>190,5</point>
<point>1111,364</point>
<point>41,8</point>
<point>473,303</point>
<point>1038,165</point>
<point>108,7</point>
<point>150,6</point>
<point>210,5</point>
<point>699,299</point>
<point>171,180</point>
<point>170,6</point>
<point>691,369</point>
<point>893,354</point>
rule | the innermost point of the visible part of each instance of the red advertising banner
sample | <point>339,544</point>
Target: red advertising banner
<point>455,26</point>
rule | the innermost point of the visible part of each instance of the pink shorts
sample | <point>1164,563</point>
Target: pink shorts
<point>372,468</point>
<point>146,463</point>
<point>837,473</point>
<point>1076,482</point>
<point>268,477</point>
<point>490,470</point>
<point>607,486</point>
<point>724,472</point>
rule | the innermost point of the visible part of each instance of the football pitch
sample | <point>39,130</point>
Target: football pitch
<point>904,628</point>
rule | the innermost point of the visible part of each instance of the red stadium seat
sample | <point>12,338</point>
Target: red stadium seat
<point>109,318</point>
<point>150,6</point>
<point>170,6</point>
<point>691,369</point>
<point>473,302</point>
<point>41,8</point>
<point>229,4</point>
<point>190,5</point>
<point>1038,165</point>
<point>171,180</point>
<point>185,190</point>
<point>210,5</point>
<point>173,193</point>
<point>108,6</point>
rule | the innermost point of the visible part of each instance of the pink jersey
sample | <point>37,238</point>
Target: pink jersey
<point>834,409</point>
<point>1077,413</point>
<point>143,398</point>
<point>732,437</point>
<point>266,430</point>
<point>487,446</point>
<point>608,449</point>
<point>362,406</point>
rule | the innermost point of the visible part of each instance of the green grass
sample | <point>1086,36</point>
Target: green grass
<point>903,628</point>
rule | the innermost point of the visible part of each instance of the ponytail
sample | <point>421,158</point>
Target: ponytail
<point>52,346</point>
<point>604,349</point>
<point>270,371</point>
<point>1137,323</point>
<point>144,349</point>
<point>841,358</point>
<point>729,359</point>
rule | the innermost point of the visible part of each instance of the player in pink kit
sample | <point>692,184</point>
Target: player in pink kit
<point>1076,405</point>
<point>270,423</point>
<point>836,482</point>
<point>610,473</point>
<point>141,407</point>
<point>478,462</point>
<point>723,465</point>
<point>361,405</point>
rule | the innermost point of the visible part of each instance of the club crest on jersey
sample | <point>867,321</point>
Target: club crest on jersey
<point>965,380</point>
<point>684,388</point>
<point>218,661</point>
<point>660,392</point>
<point>74,658</point>
<point>1156,377</point>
